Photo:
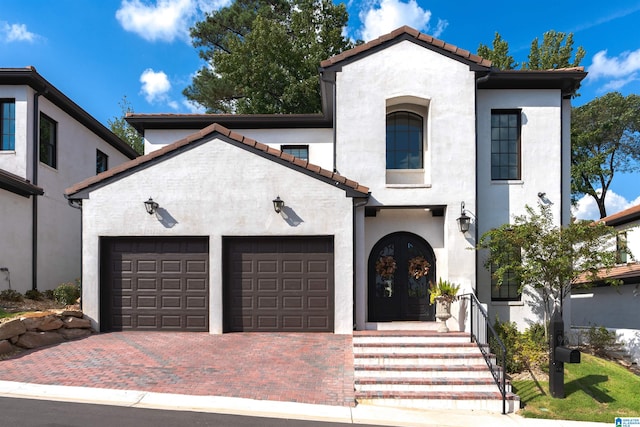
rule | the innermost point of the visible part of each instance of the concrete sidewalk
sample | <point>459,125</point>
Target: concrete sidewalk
<point>361,414</point>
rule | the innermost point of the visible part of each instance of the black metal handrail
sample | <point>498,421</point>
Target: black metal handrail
<point>489,343</point>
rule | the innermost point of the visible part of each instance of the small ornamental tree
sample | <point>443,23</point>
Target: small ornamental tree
<point>553,258</point>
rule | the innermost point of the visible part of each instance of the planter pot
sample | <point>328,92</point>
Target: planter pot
<point>443,313</point>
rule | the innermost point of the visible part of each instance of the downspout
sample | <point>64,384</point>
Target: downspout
<point>34,179</point>
<point>356,205</point>
<point>478,80</point>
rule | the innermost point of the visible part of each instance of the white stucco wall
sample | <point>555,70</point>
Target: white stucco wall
<point>541,171</point>
<point>59,257</point>
<point>320,141</point>
<point>608,306</point>
<point>445,89</point>
<point>216,190</point>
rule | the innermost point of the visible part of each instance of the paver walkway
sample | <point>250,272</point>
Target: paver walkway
<point>307,368</point>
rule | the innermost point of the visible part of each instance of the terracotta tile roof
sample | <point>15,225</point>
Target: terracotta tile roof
<point>216,128</point>
<point>407,31</point>
<point>625,271</point>
<point>622,217</point>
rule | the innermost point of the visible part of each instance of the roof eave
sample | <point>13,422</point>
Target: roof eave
<point>29,76</point>
<point>18,185</point>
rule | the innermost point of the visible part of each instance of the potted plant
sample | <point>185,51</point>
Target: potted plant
<point>443,293</point>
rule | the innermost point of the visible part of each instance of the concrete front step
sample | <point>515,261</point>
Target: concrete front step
<point>484,401</point>
<point>432,371</point>
<point>414,348</point>
<point>425,384</point>
<point>409,337</point>
<point>417,359</point>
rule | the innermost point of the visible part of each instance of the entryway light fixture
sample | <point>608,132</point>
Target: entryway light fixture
<point>151,206</point>
<point>278,204</point>
<point>464,221</point>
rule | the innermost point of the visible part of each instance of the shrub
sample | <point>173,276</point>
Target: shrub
<point>534,350</point>
<point>525,350</point>
<point>601,340</point>
<point>11,295</point>
<point>48,294</point>
<point>510,336</point>
<point>67,293</point>
<point>34,294</point>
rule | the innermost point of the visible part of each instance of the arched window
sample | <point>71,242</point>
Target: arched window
<point>404,140</point>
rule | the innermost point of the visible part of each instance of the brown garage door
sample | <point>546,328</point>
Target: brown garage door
<point>279,284</point>
<point>155,284</point>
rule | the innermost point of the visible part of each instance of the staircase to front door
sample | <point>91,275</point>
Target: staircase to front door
<point>424,369</point>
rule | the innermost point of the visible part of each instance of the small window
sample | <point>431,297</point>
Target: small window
<point>300,151</point>
<point>509,290</point>
<point>404,140</point>
<point>621,248</point>
<point>8,124</point>
<point>48,141</point>
<point>102,162</point>
<point>505,144</point>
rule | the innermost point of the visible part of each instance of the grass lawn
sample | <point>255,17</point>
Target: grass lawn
<point>596,390</point>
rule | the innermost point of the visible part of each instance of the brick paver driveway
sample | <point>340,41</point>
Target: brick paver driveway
<point>309,368</point>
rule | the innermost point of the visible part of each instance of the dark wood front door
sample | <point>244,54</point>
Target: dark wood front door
<point>398,288</point>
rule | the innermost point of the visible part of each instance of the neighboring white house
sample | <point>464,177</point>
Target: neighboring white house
<point>48,143</point>
<point>610,306</point>
<point>415,134</point>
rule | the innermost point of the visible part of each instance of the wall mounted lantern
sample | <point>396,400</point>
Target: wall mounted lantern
<point>464,221</point>
<point>151,206</point>
<point>278,204</point>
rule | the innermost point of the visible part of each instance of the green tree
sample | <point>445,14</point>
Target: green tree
<point>554,52</point>
<point>263,56</point>
<point>553,257</point>
<point>499,55</point>
<point>124,130</point>
<point>605,140</point>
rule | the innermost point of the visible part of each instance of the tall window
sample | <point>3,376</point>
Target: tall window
<point>7,124</point>
<point>505,144</point>
<point>509,290</point>
<point>300,151</point>
<point>621,248</point>
<point>102,161</point>
<point>404,140</point>
<point>48,141</point>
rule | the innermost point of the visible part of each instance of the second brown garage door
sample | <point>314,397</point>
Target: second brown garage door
<point>279,284</point>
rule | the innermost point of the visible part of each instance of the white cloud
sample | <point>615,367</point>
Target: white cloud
<point>193,107</point>
<point>386,15</point>
<point>17,32</point>
<point>588,209</point>
<point>621,70</point>
<point>155,86</point>
<point>164,20</point>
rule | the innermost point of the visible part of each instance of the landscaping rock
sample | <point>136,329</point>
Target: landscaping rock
<point>74,334</point>
<point>67,313</point>
<point>31,339</point>
<point>5,347</point>
<point>74,322</point>
<point>12,328</point>
<point>44,323</point>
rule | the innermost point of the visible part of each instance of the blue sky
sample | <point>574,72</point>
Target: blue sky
<point>97,52</point>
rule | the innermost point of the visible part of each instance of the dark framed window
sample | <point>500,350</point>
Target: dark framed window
<point>621,248</point>
<point>505,144</point>
<point>8,124</point>
<point>405,140</point>
<point>300,151</point>
<point>102,161</point>
<point>48,140</point>
<point>509,290</point>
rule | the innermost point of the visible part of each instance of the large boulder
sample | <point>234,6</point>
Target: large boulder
<point>74,334</point>
<point>5,347</point>
<point>42,323</point>
<point>32,339</point>
<point>11,329</point>
<point>75,322</point>
<point>67,312</point>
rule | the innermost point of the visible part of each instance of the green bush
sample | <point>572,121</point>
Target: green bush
<point>11,295</point>
<point>525,350</point>
<point>601,340</point>
<point>67,293</point>
<point>34,294</point>
<point>48,294</point>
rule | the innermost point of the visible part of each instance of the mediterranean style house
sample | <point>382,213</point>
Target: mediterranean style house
<point>47,143</point>
<point>326,222</point>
